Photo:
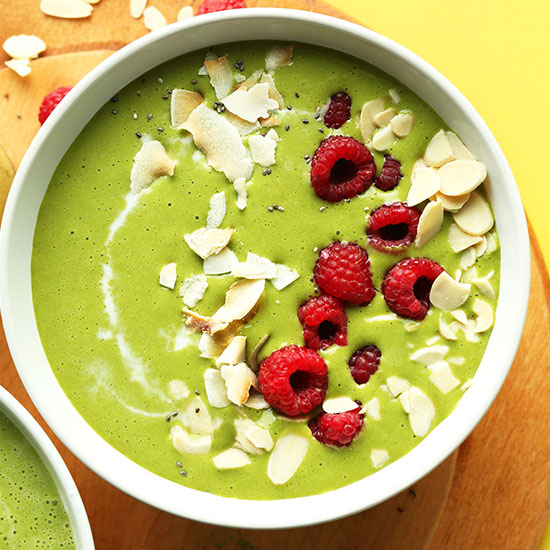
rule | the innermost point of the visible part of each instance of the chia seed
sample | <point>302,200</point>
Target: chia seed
<point>114,111</point>
<point>159,80</point>
<point>289,107</point>
<point>219,107</point>
<point>160,129</point>
<point>316,116</point>
<point>281,209</point>
<point>168,418</point>
<point>347,200</point>
<point>165,96</point>
<point>197,392</point>
<point>321,130</point>
<point>149,116</point>
<point>306,157</point>
<point>174,414</point>
<point>134,116</point>
<point>270,208</point>
<point>183,473</point>
<point>197,410</point>
<point>305,121</point>
<point>315,249</point>
<point>296,94</point>
<point>179,464</point>
<point>287,128</point>
<point>239,65</point>
<point>114,99</point>
<point>138,134</point>
<point>194,81</point>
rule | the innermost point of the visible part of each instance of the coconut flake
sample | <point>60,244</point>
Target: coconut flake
<point>137,7</point>
<point>238,381</point>
<point>186,443</point>
<point>210,56</point>
<point>168,275</point>
<point>242,195</point>
<point>182,104</point>
<point>424,184</point>
<point>368,112</point>
<point>196,418</point>
<point>242,426</point>
<point>231,459</point>
<point>273,92</point>
<point>442,377</point>
<point>430,355</point>
<point>216,391</point>
<point>288,453</point>
<point>220,263</point>
<point>339,405</point>
<point>429,224</point>
<point>262,149</point>
<point>284,277</point>
<point>240,299</point>
<point>19,66</point>
<point>206,242</point>
<point>66,9</point>
<point>178,390</point>
<point>379,457</point>
<point>422,412</point>
<point>484,315</point>
<point>252,104</point>
<point>234,353</point>
<point>221,76</point>
<point>255,267</point>
<point>397,385</point>
<point>217,210</point>
<point>24,46</point>
<point>150,163</point>
<point>278,56</point>
<point>475,217</point>
<point>448,294</point>
<point>153,19</point>
<point>202,323</point>
<point>459,240</point>
<point>439,151</point>
<point>394,95</point>
<point>243,127</point>
<point>402,124</point>
<point>193,288</point>
<point>185,13</point>
<point>372,409</point>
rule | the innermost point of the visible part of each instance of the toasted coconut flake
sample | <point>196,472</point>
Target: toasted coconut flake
<point>460,151</point>
<point>185,13</point>
<point>379,457</point>
<point>201,323</point>
<point>221,76</point>
<point>422,412</point>
<point>430,355</point>
<point>234,353</point>
<point>269,122</point>
<point>238,381</point>
<point>439,151</point>
<point>256,401</point>
<point>262,149</point>
<point>231,459</point>
<point>459,240</point>
<point>286,457</point>
<point>429,224</point>
<point>193,288</point>
<point>150,163</point>
<point>442,377</point>
<point>217,210</point>
<point>178,390</point>
<point>252,104</point>
<point>242,195</point>
<point>196,418</point>
<point>168,275</point>
<point>402,124</point>
<point>19,66</point>
<point>284,277</point>
<point>394,95</point>
<point>66,9</point>
<point>153,18</point>
<point>243,127</point>
<point>253,79</point>
<point>384,117</point>
<point>338,405</point>
<point>255,267</point>
<point>459,177</point>
<point>273,92</point>
<point>484,315</point>
<point>220,141</point>
<point>260,437</point>
<point>383,139</point>
<point>240,299</point>
<point>424,184</point>
<point>137,8</point>
<point>216,391</point>
<point>186,443</point>
<point>212,347</point>
<point>24,46</point>
<point>210,56</point>
<point>278,56</point>
<point>451,204</point>
<point>372,409</point>
<point>207,242</point>
<point>445,330</point>
<point>220,263</point>
<point>485,287</point>
<point>182,104</point>
<point>448,294</point>
<point>397,385</point>
<point>368,112</point>
<point>475,217</point>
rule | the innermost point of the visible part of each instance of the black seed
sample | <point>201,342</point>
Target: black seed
<point>289,107</point>
<point>287,127</point>
<point>183,473</point>
<point>197,392</point>
<point>160,129</point>
<point>114,111</point>
<point>194,81</point>
<point>296,94</point>
<point>305,121</point>
<point>179,464</point>
<point>114,99</point>
<point>138,134</point>
<point>165,96</point>
<point>149,116</point>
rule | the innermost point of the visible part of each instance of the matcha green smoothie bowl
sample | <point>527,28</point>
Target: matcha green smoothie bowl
<point>260,281</point>
<point>39,503</point>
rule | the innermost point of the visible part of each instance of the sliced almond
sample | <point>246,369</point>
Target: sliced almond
<point>430,355</point>
<point>186,443</point>
<point>220,263</point>
<point>468,258</point>
<point>178,390</point>
<point>368,112</point>
<point>442,377</point>
<point>459,240</point>
<point>153,19</point>
<point>278,56</point>
<point>255,267</point>
<point>484,315</point>
<point>220,141</point>
<point>196,418</point>
<point>485,287</point>
<point>193,288</point>
<point>137,7</point>
<point>491,243</point>
<point>402,124</point>
<point>19,66</point>
<point>372,408</point>
<point>460,151</point>
<point>433,340</point>
<point>242,426</point>
<point>207,242</point>
<point>466,384</point>
<point>66,9</point>
<point>185,13</point>
<point>448,294</point>
<point>470,333</point>
<point>384,117</point>
<point>216,391</point>
<point>252,104</point>
<point>286,457</point>
<point>238,381</point>
<point>429,224</point>
<point>445,330</point>
<point>256,401</point>
<point>404,400</point>
<point>217,210</point>
<point>262,149</point>
<point>201,323</point>
<point>150,163</point>
<point>231,459</point>
<point>338,405</point>
<point>168,275</point>
<point>24,46</point>
<point>397,385</point>
<point>459,177</point>
<point>394,95</point>
<point>273,92</point>
<point>439,152</point>
<point>475,217</point>
<point>481,246</point>
<point>260,437</point>
<point>284,276</point>
<point>182,104</point>
<point>240,299</point>
<point>422,412</point>
<point>383,139</point>
<point>451,204</point>
<point>456,360</point>
<point>234,353</point>
<point>469,275</point>
<point>242,194</point>
<point>221,76</point>
<point>424,184</point>
<point>460,316</point>
<point>379,457</point>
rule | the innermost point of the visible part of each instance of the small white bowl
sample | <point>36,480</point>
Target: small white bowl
<point>63,126</point>
<point>46,450</point>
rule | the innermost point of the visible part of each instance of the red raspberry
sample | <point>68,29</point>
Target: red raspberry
<point>209,6</point>
<point>392,227</point>
<point>337,429</point>
<point>342,167</point>
<point>50,102</point>
<point>406,287</point>
<point>325,322</point>
<point>364,363</point>
<point>343,271</point>
<point>338,111</point>
<point>390,175</point>
<point>293,380</point>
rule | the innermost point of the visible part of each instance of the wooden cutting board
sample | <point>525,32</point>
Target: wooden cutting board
<point>492,493</point>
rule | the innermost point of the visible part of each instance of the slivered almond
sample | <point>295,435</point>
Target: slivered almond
<point>475,217</point>
<point>186,443</point>
<point>442,377</point>
<point>201,323</point>
<point>137,7</point>
<point>397,385</point>
<point>262,149</point>
<point>206,242</point>
<point>66,9</point>
<point>238,381</point>
<point>220,263</point>
<point>422,412</point>
<point>273,92</point>
<point>384,117</point>
<point>260,437</point>
<point>484,315</point>
<point>185,13</point>
<point>424,184</point>
<point>429,224</point>
<point>451,204</point>
<point>278,56</point>
<point>231,459</point>
<point>430,355</point>
<point>402,124</point>
<point>168,275</point>
<point>394,95</point>
<point>216,214</point>
<point>193,288</point>
<point>339,405</point>
<point>383,139</point>
<point>24,46</point>
<point>19,66</point>
<point>221,76</point>
<point>153,18</point>
<point>150,163</point>
<point>459,177</point>
<point>485,287</point>
<point>468,258</point>
<point>439,151</point>
<point>445,330</point>
<point>234,353</point>
<point>448,294</point>
<point>368,112</point>
<point>459,240</point>
<point>182,104</point>
<point>216,391</point>
<point>196,418</point>
<point>460,316</point>
<point>252,104</point>
<point>491,243</point>
<point>286,457</point>
<point>372,409</point>
<point>460,151</point>
<point>242,195</point>
<point>240,299</point>
<point>379,457</point>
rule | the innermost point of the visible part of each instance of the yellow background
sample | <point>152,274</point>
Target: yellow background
<point>497,53</point>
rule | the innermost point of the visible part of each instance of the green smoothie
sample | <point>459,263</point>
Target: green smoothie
<point>115,338</point>
<point>32,514</point>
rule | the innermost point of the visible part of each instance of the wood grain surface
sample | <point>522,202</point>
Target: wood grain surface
<point>493,493</point>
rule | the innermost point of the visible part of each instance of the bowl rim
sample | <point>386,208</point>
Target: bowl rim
<point>444,438</point>
<point>42,444</point>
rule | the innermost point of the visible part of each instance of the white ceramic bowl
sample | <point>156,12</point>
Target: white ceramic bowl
<point>37,437</point>
<point>64,125</point>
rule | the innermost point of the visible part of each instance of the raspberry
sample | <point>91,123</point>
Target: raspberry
<point>343,271</point>
<point>390,175</point>
<point>364,363</point>
<point>392,227</point>
<point>338,111</point>
<point>337,429</point>
<point>406,287</point>
<point>293,380</point>
<point>342,167</point>
<point>50,102</point>
<point>209,6</point>
<point>325,322</point>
